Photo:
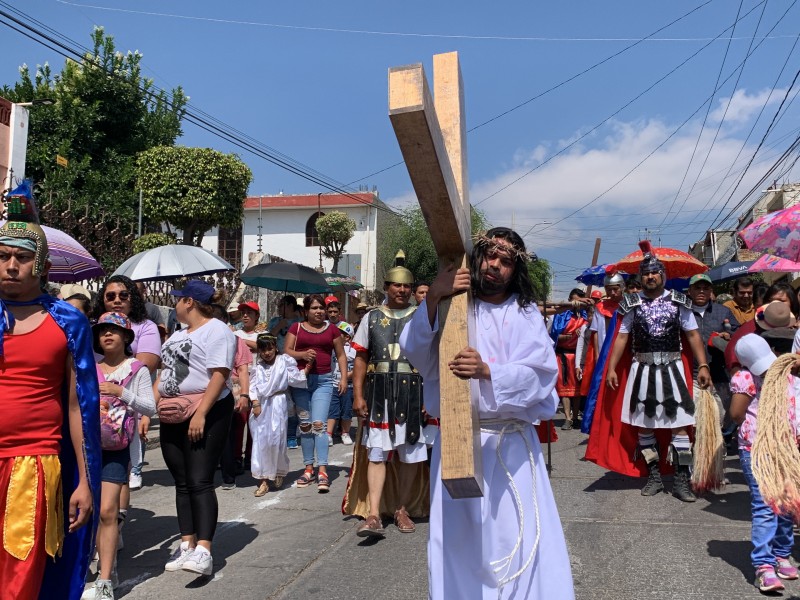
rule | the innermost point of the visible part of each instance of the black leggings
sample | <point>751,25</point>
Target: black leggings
<point>192,465</point>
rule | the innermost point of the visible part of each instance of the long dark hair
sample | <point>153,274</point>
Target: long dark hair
<point>521,280</point>
<point>787,289</point>
<point>137,313</point>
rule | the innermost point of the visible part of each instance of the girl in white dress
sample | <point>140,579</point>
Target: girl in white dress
<point>273,376</point>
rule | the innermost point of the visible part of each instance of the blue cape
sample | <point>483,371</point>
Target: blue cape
<point>598,374</point>
<point>560,322</point>
<point>67,572</point>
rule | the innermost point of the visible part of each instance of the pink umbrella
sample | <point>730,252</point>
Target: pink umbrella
<point>70,260</point>
<point>776,233</point>
<point>774,264</point>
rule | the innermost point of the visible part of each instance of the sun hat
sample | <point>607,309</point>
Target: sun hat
<point>775,314</point>
<point>754,353</point>
<point>73,289</point>
<point>362,306</point>
<point>346,328</point>
<point>117,320</point>
<point>251,305</point>
<point>196,290</point>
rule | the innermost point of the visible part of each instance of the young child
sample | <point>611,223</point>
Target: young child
<point>771,534</point>
<point>125,388</point>
<point>342,404</point>
<point>268,418</point>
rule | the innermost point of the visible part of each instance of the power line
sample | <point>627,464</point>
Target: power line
<point>196,117</point>
<point>705,117</point>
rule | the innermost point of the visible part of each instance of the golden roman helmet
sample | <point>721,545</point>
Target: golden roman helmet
<point>22,228</point>
<point>398,273</point>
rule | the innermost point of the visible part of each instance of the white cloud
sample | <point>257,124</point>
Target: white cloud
<point>743,106</point>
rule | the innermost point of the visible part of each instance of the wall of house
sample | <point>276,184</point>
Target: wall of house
<point>283,234</point>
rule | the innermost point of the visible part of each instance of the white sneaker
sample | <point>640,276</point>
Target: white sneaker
<point>103,590</point>
<point>135,481</point>
<point>200,562</point>
<point>175,562</point>
<point>346,439</point>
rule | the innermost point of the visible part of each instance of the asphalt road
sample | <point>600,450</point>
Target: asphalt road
<point>295,543</point>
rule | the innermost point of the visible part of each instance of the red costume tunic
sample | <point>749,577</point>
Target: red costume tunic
<point>567,384</point>
<point>32,372</point>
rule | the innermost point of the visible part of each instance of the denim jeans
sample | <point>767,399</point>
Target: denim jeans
<point>313,405</point>
<point>771,535</point>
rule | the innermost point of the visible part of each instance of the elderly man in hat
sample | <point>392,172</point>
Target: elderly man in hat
<point>50,454</point>
<point>656,395</point>
<point>387,393</point>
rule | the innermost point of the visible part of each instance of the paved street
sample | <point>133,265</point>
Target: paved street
<point>295,543</point>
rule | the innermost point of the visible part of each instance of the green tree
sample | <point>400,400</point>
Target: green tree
<point>409,233</point>
<point>335,229</point>
<point>541,277</point>
<point>105,113</point>
<point>152,240</point>
<point>192,189</point>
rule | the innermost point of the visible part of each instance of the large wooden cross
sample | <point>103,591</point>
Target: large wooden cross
<point>432,137</point>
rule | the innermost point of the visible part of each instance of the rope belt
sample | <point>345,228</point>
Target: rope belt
<point>512,426</point>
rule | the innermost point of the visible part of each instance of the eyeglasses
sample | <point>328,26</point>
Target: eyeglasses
<point>124,296</point>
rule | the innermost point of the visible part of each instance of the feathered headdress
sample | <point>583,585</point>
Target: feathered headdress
<point>650,263</point>
<point>22,228</point>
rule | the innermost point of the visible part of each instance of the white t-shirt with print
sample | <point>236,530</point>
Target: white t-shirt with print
<point>188,358</point>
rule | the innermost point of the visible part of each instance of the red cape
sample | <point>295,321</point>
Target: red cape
<point>612,443</point>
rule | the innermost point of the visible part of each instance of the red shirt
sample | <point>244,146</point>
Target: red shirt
<point>322,342</point>
<point>32,373</point>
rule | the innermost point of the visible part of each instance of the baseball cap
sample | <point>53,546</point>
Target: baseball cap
<point>597,295</point>
<point>700,277</point>
<point>331,300</point>
<point>362,306</point>
<point>196,290</point>
<point>251,305</point>
<point>754,353</point>
<point>775,314</point>
<point>346,328</point>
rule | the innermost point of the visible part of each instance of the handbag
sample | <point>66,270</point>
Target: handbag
<point>178,409</point>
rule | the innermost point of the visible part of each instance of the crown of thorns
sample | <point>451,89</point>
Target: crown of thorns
<point>481,240</point>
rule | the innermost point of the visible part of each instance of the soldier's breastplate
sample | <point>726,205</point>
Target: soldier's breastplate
<point>656,326</point>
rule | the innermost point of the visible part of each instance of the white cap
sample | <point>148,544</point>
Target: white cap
<point>754,353</point>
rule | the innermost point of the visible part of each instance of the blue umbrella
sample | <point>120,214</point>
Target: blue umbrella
<point>730,270</point>
<point>594,275</point>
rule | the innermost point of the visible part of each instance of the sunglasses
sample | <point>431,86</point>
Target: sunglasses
<point>111,296</point>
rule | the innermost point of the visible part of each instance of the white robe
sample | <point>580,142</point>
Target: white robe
<point>466,535</point>
<point>270,386</point>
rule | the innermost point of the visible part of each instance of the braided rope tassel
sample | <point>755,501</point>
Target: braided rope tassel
<point>709,446</point>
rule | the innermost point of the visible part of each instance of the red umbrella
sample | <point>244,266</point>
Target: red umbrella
<point>679,264</point>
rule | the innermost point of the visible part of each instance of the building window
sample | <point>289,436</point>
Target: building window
<point>229,245</point>
<point>312,239</point>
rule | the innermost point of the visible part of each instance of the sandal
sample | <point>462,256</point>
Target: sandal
<point>371,527</point>
<point>403,521</point>
<point>306,479</point>
<point>263,488</point>
<point>323,483</point>
<point>277,483</point>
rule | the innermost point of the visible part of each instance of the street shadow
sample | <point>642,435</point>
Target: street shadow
<point>151,546</point>
<point>154,477</point>
<point>734,506</point>
<point>335,472</point>
<point>736,554</point>
<point>614,481</point>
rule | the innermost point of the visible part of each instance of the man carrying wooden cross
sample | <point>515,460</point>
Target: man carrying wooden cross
<point>509,543</point>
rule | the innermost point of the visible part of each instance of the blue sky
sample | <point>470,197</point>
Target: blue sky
<point>309,79</point>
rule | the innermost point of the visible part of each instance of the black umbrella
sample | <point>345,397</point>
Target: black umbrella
<point>730,270</point>
<point>286,277</point>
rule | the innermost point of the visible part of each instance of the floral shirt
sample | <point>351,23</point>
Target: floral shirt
<point>744,382</point>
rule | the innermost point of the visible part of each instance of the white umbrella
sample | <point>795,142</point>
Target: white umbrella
<point>171,262</point>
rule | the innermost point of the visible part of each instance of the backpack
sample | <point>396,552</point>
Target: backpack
<point>117,420</point>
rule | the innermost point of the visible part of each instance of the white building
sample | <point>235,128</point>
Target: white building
<point>284,226</point>
<point>13,142</point>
